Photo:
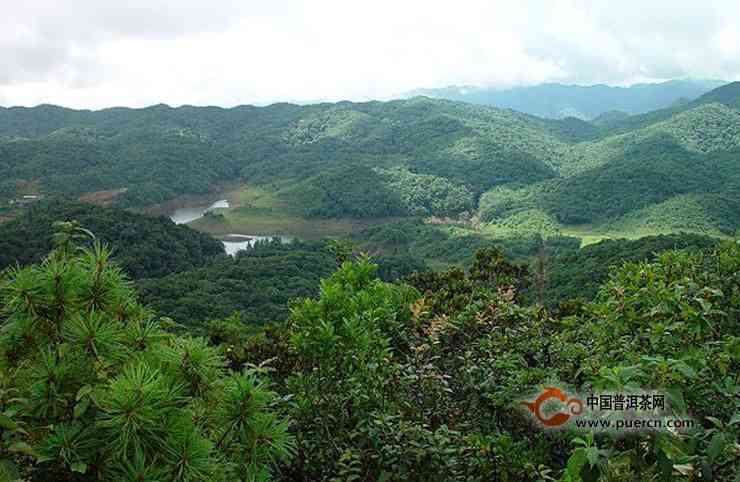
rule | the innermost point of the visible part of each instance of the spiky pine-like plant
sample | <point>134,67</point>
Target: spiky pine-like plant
<point>104,393</point>
<point>249,431</point>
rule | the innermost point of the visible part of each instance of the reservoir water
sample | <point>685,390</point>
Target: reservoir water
<point>233,243</point>
<point>189,214</point>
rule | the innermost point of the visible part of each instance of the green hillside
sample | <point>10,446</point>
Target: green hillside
<point>671,169</point>
<point>258,284</point>
<point>728,94</point>
<point>579,274</point>
<point>681,173</point>
<point>158,153</point>
<point>146,246</point>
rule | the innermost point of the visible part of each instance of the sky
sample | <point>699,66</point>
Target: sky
<point>103,53</point>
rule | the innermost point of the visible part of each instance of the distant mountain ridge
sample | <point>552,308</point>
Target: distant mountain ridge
<point>669,169</point>
<point>158,152</point>
<point>666,171</point>
<point>727,94</point>
<point>556,101</point>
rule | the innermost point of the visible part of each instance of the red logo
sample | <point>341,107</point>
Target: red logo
<point>575,407</point>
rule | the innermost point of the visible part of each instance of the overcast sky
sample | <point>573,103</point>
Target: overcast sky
<point>100,53</point>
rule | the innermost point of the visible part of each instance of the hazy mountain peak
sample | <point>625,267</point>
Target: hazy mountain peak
<point>555,100</point>
<point>728,94</point>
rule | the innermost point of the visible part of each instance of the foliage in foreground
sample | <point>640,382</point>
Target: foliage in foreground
<point>92,388</point>
<point>394,383</point>
<point>381,381</point>
<point>580,274</point>
<point>258,283</point>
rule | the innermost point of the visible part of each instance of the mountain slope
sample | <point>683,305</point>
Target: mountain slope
<point>579,274</point>
<point>413,157</point>
<point>704,128</point>
<point>586,102</point>
<point>728,95</point>
<point>158,153</point>
<point>144,246</point>
<point>679,173</point>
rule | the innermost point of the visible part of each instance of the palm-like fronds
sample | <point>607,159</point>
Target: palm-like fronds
<point>106,287</point>
<point>138,469</point>
<point>244,397</point>
<point>112,394</point>
<point>194,364</point>
<point>248,429</point>
<point>142,334</point>
<point>22,291</point>
<point>97,336</point>
<point>136,408</point>
<point>71,445</point>
<point>53,384</point>
<point>187,453</point>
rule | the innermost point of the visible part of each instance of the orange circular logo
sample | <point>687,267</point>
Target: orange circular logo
<point>575,407</point>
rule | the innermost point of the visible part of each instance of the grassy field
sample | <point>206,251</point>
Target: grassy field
<point>593,234</point>
<point>256,197</point>
<point>260,211</point>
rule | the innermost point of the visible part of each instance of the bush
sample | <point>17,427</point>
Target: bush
<point>94,388</point>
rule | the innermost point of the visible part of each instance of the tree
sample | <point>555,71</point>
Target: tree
<point>96,389</point>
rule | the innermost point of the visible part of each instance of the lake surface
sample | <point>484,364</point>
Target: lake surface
<point>189,214</point>
<point>233,243</point>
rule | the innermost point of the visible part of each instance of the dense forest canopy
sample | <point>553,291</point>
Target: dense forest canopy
<point>184,275</point>
<point>579,274</point>
<point>367,380</point>
<point>413,157</point>
<point>134,349</point>
<point>156,150</point>
<point>257,283</point>
<point>256,286</point>
<point>693,155</point>
<point>145,246</point>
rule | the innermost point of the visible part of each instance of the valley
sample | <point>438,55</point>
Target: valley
<point>325,169</point>
<point>332,241</point>
<point>361,280</point>
<point>259,211</point>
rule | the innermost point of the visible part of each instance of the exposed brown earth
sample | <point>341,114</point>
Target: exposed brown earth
<point>102,198</point>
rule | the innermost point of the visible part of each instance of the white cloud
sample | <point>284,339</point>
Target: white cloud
<point>98,53</point>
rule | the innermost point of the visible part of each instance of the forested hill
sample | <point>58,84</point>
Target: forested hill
<point>667,170</point>
<point>728,94</point>
<point>680,173</point>
<point>159,152</point>
<point>144,246</point>
<point>578,274</point>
